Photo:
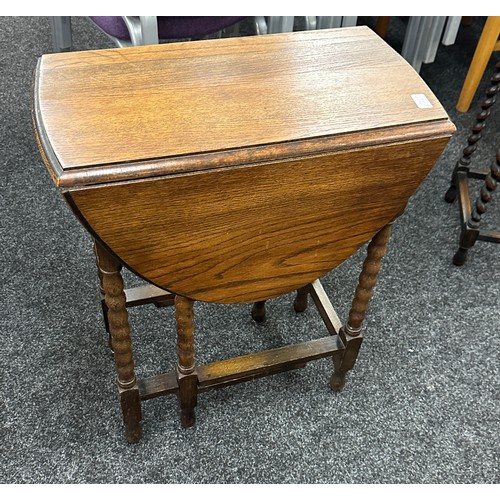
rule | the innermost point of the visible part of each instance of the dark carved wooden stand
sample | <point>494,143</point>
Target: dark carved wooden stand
<point>188,379</point>
<point>471,217</point>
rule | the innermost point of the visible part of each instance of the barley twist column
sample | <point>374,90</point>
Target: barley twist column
<point>101,292</point>
<point>470,232</point>
<point>350,334</point>
<point>485,195</point>
<point>464,163</point>
<point>119,329</point>
<point>186,365</point>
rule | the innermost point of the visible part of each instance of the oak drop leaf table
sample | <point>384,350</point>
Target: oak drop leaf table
<point>234,171</point>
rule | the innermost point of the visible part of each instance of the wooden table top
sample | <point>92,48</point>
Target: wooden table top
<point>122,106</point>
<point>237,170</point>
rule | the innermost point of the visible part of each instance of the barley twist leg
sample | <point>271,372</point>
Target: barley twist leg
<point>119,329</point>
<point>186,365</point>
<point>101,293</point>
<point>350,333</point>
<point>464,163</point>
<point>470,231</point>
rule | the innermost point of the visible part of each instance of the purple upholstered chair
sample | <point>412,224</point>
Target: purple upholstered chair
<point>146,30</point>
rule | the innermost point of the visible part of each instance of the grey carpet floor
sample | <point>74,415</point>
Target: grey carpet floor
<point>421,405</point>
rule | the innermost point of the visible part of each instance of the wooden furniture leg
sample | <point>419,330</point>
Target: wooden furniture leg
<point>187,377</point>
<point>463,165</point>
<point>101,294</point>
<point>488,43</point>
<point>300,302</point>
<point>299,305</point>
<point>350,333</point>
<point>382,25</point>
<point>119,330</point>
<point>470,230</point>
<point>140,295</point>
<point>471,218</point>
<point>259,311</point>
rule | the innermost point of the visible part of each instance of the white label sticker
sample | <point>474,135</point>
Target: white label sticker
<point>421,101</point>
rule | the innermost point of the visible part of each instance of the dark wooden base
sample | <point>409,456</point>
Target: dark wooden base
<point>471,215</point>
<point>469,235</point>
<point>188,379</point>
<point>223,373</point>
<point>248,367</point>
<point>251,366</point>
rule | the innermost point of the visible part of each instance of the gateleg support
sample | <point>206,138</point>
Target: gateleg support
<point>101,292</point>
<point>119,330</point>
<point>350,333</point>
<point>187,377</point>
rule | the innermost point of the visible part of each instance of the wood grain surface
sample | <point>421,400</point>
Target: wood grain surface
<point>251,233</point>
<point>126,105</point>
<point>237,170</point>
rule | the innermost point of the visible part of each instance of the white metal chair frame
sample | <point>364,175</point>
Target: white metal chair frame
<point>420,45</point>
